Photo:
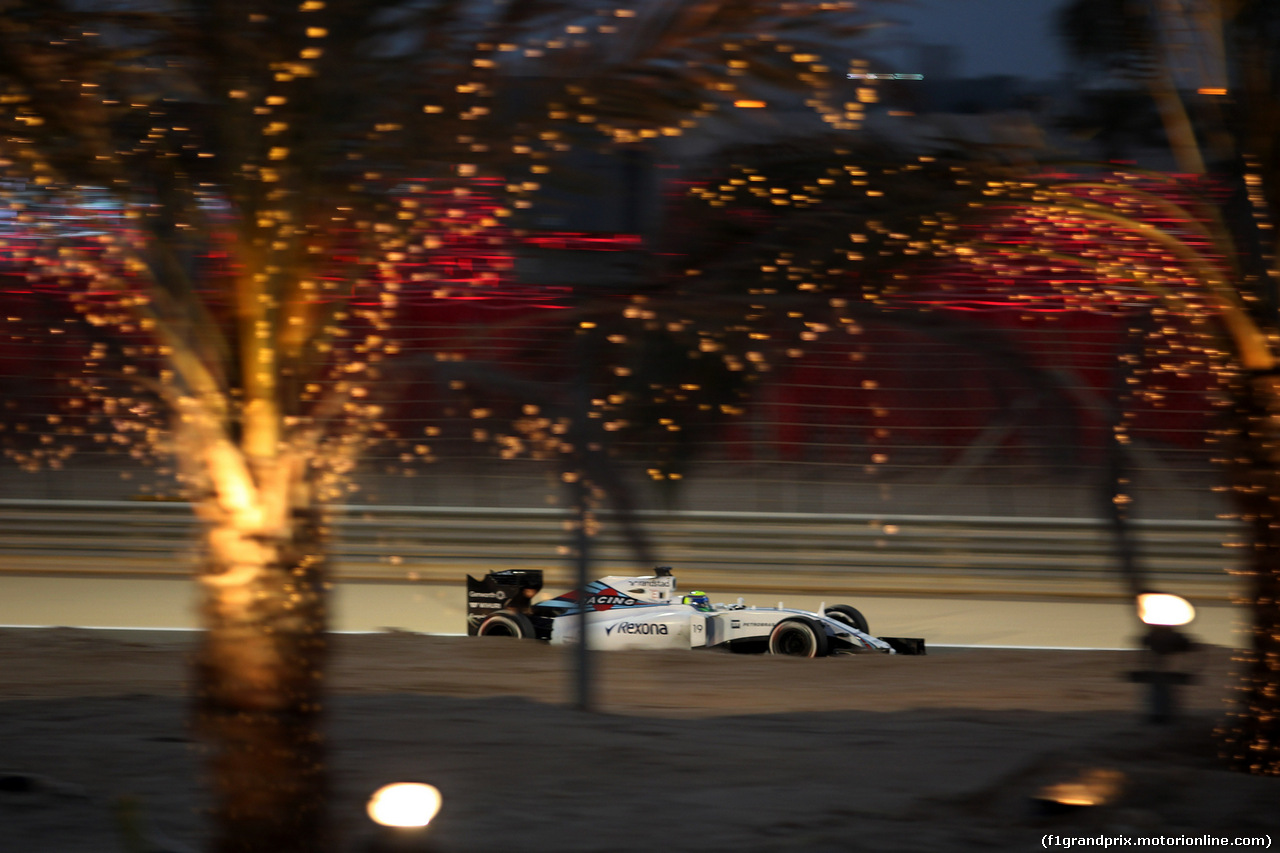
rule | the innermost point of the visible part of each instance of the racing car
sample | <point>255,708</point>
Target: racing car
<point>646,613</point>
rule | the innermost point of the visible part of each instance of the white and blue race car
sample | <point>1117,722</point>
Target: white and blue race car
<point>646,613</point>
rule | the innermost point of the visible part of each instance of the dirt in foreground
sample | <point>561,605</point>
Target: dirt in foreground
<point>696,751</point>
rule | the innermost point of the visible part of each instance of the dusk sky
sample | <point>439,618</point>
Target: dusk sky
<point>994,36</point>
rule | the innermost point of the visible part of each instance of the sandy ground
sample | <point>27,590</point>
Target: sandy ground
<point>690,751</point>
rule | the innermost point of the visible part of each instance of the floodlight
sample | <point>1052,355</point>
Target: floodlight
<point>1159,608</point>
<point>404,804</point>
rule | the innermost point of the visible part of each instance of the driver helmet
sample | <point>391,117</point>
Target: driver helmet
<point>699,600</point>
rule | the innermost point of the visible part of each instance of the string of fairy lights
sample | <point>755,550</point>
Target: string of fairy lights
<point>292,261</point>
<point>1075,297</point>
<point>1004,297</point>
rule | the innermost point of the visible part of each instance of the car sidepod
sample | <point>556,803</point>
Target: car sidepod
<point>746,630</point>
<point>676,626</point>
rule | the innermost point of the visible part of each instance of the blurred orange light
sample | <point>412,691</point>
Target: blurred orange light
<point>750,105</point>
<point>1212,91</point>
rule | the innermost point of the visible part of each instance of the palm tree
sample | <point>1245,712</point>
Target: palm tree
<point>254,169</point>
<point>1227,50</point>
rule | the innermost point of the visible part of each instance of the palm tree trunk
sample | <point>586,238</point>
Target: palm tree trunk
<point>259,676</point>
<point>1251,735</point>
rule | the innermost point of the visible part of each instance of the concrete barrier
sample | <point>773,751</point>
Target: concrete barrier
<point>788,553</point>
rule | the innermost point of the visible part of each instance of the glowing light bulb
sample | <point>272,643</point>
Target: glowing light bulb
<point>405,804</point>
<point>1156,608</point>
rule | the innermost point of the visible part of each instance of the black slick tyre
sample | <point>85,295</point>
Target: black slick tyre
<point>798,637</point>
<point>507,624</point>
<point>848,615</point>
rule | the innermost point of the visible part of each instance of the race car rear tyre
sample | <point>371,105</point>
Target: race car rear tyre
<point>848,615</point>
<point>507,624</point>
<point>798,637</point>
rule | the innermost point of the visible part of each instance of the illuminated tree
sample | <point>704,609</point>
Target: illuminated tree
<point>260,183</point>
<point>1188,261</point>
<point>865,236</point>
<point>1213,68</point>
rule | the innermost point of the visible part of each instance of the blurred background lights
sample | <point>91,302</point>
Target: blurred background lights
<point>1091,787</point>
<point>1157,608</point>
<point>405,804</point>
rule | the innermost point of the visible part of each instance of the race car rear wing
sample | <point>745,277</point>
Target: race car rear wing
<point>498,591</point>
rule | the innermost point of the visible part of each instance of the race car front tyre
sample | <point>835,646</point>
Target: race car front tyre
<point>798,637</point>
<point>507,624</point>
<point>849,616</point>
